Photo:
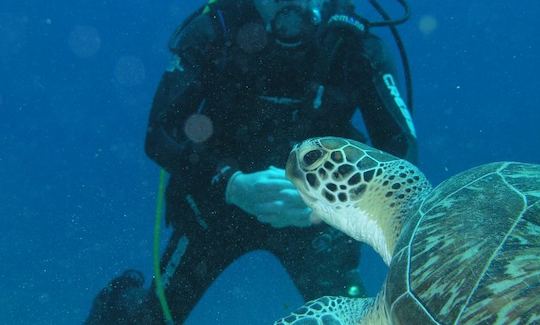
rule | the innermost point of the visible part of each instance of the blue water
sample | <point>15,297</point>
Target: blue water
<point>77,192</point>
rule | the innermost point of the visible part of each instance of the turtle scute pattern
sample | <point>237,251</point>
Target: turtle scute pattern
<point>329,310</point>
<point>471,253</point>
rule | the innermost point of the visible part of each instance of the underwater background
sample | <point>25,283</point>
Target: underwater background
<point>77,193</point>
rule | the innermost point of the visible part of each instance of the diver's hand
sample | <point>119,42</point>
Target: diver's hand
<point>270,197</point>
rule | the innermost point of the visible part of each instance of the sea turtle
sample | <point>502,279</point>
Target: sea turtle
<point>467,252</point>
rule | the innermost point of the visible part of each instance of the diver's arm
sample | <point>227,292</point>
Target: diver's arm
<point>386,115</point>
<point>179,95</point>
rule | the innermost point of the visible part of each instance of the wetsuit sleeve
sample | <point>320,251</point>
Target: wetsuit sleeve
<point>385,113</point>
<point>180,93</point>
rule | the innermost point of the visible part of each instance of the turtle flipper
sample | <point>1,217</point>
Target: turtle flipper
<point>330,310</point>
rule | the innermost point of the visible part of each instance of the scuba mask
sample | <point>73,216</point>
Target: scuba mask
<point>292,23</point>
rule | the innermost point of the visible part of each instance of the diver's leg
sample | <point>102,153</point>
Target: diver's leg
<point>206,240</point>
<point>321,260</point>
<point>196,254</point>
<point>190,264</point>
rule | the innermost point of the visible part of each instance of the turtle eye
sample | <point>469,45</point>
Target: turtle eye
<point>312,156</point>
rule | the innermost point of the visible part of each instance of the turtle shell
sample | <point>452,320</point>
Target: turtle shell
<point>470,254</point>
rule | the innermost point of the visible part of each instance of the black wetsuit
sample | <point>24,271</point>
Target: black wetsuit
<point>259,100</point>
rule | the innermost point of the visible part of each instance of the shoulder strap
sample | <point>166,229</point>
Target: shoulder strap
<point>225,15</point>
<point>175,35</point>
<point>207,9</point>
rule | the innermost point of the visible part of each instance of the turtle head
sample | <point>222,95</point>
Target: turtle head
<point>357,189</point>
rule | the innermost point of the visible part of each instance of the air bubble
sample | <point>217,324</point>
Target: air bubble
<point>198,128</point>
<point>427,24</point>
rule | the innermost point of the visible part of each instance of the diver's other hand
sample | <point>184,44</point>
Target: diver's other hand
<point>270,197</point>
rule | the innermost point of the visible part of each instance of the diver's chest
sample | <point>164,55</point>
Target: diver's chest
<point>274,91</point>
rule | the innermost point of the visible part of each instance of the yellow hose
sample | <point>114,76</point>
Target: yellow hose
<point>160,292</point>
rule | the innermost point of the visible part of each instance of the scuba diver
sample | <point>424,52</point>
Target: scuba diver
<point>248,79</point>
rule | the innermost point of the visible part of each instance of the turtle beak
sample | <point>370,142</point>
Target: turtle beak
<point>292,168</point>
<point>293,171</point>
<point>297,176</point>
